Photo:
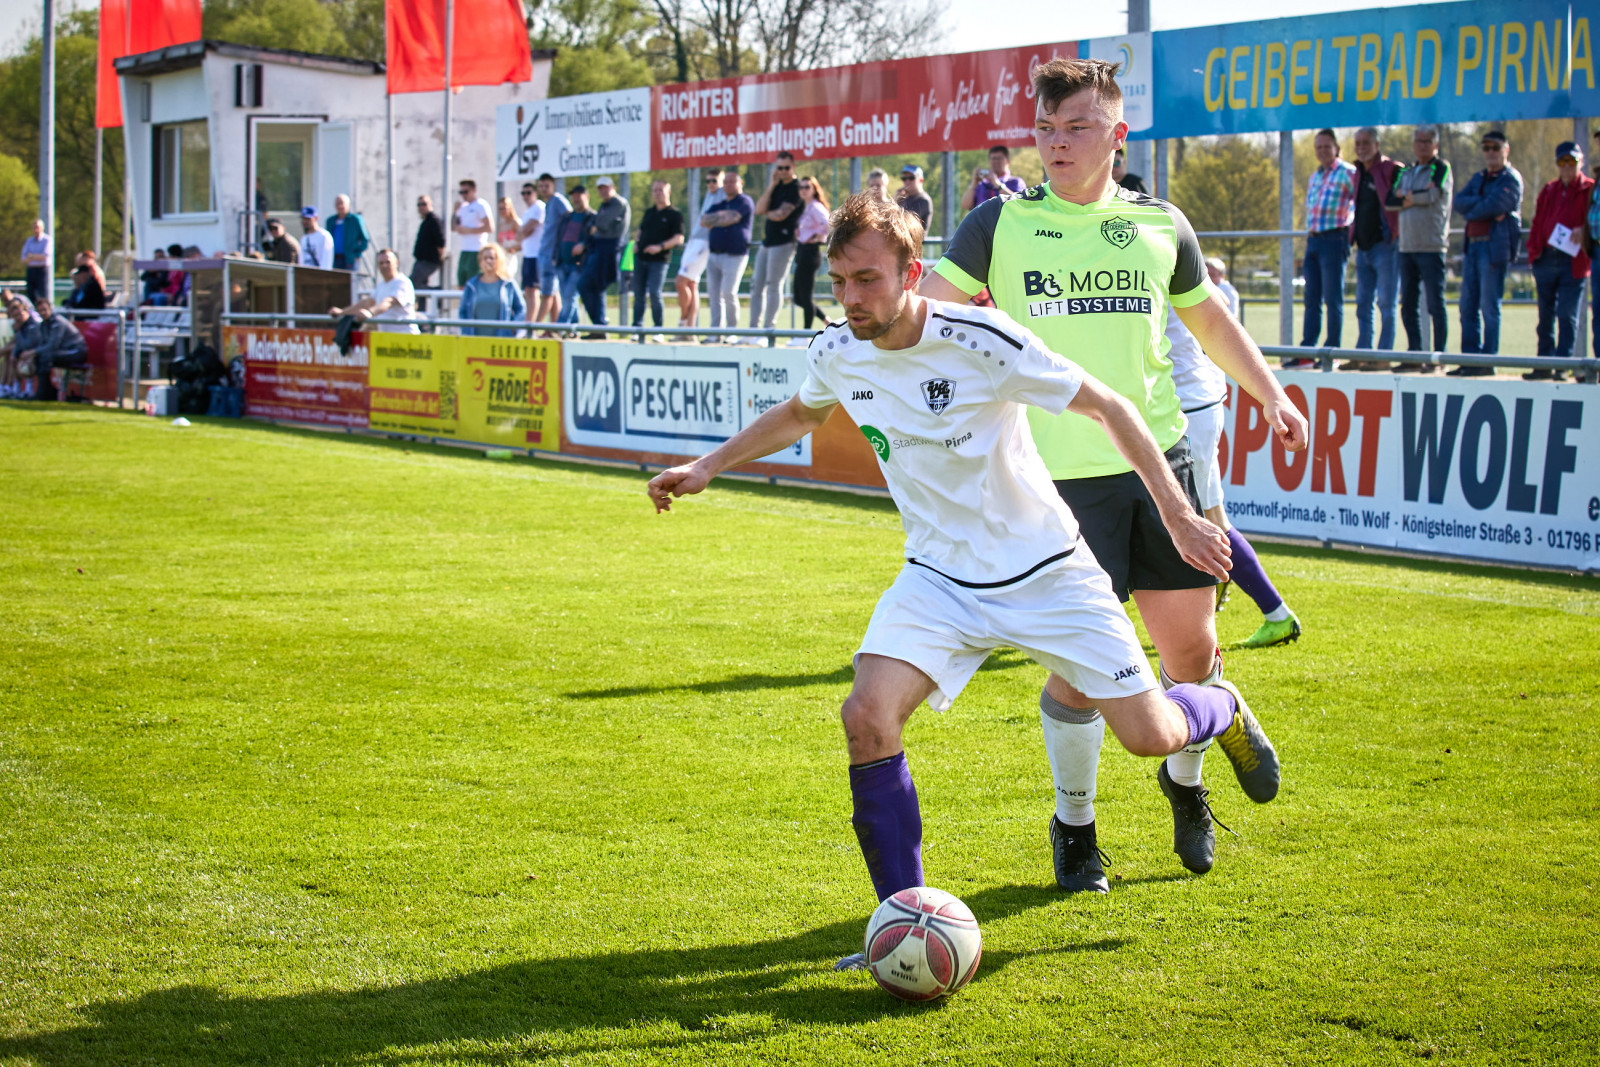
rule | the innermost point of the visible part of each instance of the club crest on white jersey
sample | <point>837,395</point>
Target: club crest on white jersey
<point>937,394</point>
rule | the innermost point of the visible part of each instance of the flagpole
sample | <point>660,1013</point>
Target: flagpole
<point>449,49</point>
<point>47,124</point>
<point>388,146</point>
<point>99,188</point>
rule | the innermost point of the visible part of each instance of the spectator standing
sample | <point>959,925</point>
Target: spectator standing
<point>556,210</point>
<point>1330,209</point>
<point>351,239</point>
<point>1558,252</point>
<point>993,180</point>
<point>1491,203</point>
<point>569,254</point>
<point>393,299</point>
<point>1119,174</point>
<point>1376,233</point>
<point>316,246</point>
<point>660,231</point>
<point>1591,231</point>
<point>491,295</point>
<point>427,252</point>
<point>877,185</point>
<point>811,232</point>
<point>1422,194</point>
<point>56,343</point>
<point>779,205</point>
<point>1217,271</point>
<point>730,222</point>
<point>471,222</point>
<point>509,221</point>
<point>279,247</point>
<point>530,235</point>
<point>38,254</point>
<point>913,197</point>
<point>601,247</point>
<point>697,252</point>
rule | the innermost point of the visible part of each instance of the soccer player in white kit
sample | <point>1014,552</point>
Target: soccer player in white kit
<point>993,556</point>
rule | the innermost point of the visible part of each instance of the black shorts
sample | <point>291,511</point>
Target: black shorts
<point>530,272</point>
<point>1119,520</point>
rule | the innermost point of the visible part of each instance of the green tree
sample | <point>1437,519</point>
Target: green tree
<point>1229,184</point>
<point>77,52</point>
<point>19,206</point>
<point>304,25</point>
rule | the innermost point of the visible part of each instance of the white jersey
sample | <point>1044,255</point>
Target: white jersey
<point>947,420</point>
<point>1198,381</point>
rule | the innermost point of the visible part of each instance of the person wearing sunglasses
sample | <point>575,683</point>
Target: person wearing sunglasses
<point>697,251</point>
<point>427,253</point>
<point>912,196</point>
<point>1558,253</point>
<point>1490,202</point>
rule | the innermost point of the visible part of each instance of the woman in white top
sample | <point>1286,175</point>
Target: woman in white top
<point>811,231</point>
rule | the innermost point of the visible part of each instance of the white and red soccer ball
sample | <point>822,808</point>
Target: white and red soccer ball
<point>923,944</point>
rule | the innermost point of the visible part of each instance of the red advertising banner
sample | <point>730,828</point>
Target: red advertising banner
<point>930,104</point>
<point>300,375</point>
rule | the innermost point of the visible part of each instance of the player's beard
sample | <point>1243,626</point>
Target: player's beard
<point>876,328</point>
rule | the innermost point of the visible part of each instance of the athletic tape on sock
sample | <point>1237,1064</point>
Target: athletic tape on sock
<point>1061,713</point>
<point>1211,679</point>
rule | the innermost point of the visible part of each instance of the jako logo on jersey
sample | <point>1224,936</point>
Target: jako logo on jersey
<point>880,443</point>
<point>597,395</point>
<point>861,394</point>
<point>945,331</point>
<point>1119,231</point>
<point>938,392</point>
<point>1038,283</point>
<point>1047,233</point>
<point>1126,672</point>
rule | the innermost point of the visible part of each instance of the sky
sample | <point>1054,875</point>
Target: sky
<point>972,25</point>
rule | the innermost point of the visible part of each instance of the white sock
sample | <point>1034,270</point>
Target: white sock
<point>1187,765</point>
<point>1072,740</point>
<point>1279,613</point>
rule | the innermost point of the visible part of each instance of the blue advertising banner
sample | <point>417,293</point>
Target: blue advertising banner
<point>1453,62</point>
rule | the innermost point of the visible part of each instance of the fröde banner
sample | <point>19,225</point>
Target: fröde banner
<point>678,400</point>
<point>1505,471</point>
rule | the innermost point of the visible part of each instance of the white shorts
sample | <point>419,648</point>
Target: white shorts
<point>696,254</point>
<point>1065,617</point>
<point>1205,432</point>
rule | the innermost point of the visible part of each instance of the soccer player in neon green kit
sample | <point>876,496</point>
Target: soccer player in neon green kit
<point>1091,268</point>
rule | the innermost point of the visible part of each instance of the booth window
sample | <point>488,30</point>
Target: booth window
<point>182,169</point>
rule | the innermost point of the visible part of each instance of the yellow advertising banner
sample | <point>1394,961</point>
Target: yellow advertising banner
<point>413,380</point>
<point>510,392</point>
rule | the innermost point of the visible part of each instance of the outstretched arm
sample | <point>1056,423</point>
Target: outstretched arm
<point>1225,341</point>
<point>1201,544</point>
<point>777,428</point>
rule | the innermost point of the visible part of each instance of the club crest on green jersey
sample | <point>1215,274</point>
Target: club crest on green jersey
<point>1119,231</point>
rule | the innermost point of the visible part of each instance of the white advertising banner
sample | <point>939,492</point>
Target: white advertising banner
<point>682,400</point>
<point>1135,75</point>
<point>1494,470</point>
<point>596,133</point>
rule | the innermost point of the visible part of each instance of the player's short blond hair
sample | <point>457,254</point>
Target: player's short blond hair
<point>862,213</point>
<point>1060,78</point>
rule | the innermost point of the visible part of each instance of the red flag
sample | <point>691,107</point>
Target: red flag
<point>490,44</point>
<point>129,27</point>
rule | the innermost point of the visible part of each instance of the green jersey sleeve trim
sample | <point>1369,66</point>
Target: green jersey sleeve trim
<point>958,277</point>
<point>1198,295</point>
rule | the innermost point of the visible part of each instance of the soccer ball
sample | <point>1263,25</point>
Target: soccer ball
<point>923,944</point>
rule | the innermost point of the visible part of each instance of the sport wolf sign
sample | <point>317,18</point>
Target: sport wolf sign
<point>1503,471</point>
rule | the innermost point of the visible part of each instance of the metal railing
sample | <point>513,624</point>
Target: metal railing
<point>523,330</point>
<point>1584,369</point>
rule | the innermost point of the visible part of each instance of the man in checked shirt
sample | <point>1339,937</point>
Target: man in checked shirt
<point>1330,211</point>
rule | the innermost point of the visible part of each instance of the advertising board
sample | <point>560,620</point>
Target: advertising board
<point>971,100</point>
<point>300,375</point>
<point>589,134</point>
<point>678,400</point>
<point>509,392</point>
<point>1505,471</point>
<point>413,384</point>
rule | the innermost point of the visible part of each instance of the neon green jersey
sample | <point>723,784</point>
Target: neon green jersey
<point>1093,281</point>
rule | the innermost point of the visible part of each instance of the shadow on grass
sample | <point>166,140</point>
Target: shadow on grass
<point>641,1000</point>
<point>1003,659</point>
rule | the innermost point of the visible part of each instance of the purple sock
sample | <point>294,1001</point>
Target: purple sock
<point>1249,575</point>
<point>888,824</point>
<point>1208,709</point>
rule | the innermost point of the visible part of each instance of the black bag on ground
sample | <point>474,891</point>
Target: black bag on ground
<point>195,374</point>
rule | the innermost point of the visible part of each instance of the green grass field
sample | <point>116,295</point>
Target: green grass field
<point>317,749</point>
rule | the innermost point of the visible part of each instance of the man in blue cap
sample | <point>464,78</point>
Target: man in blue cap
<point>316,247</point>
<point>1491,203</point>
<point>1558,254</point>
